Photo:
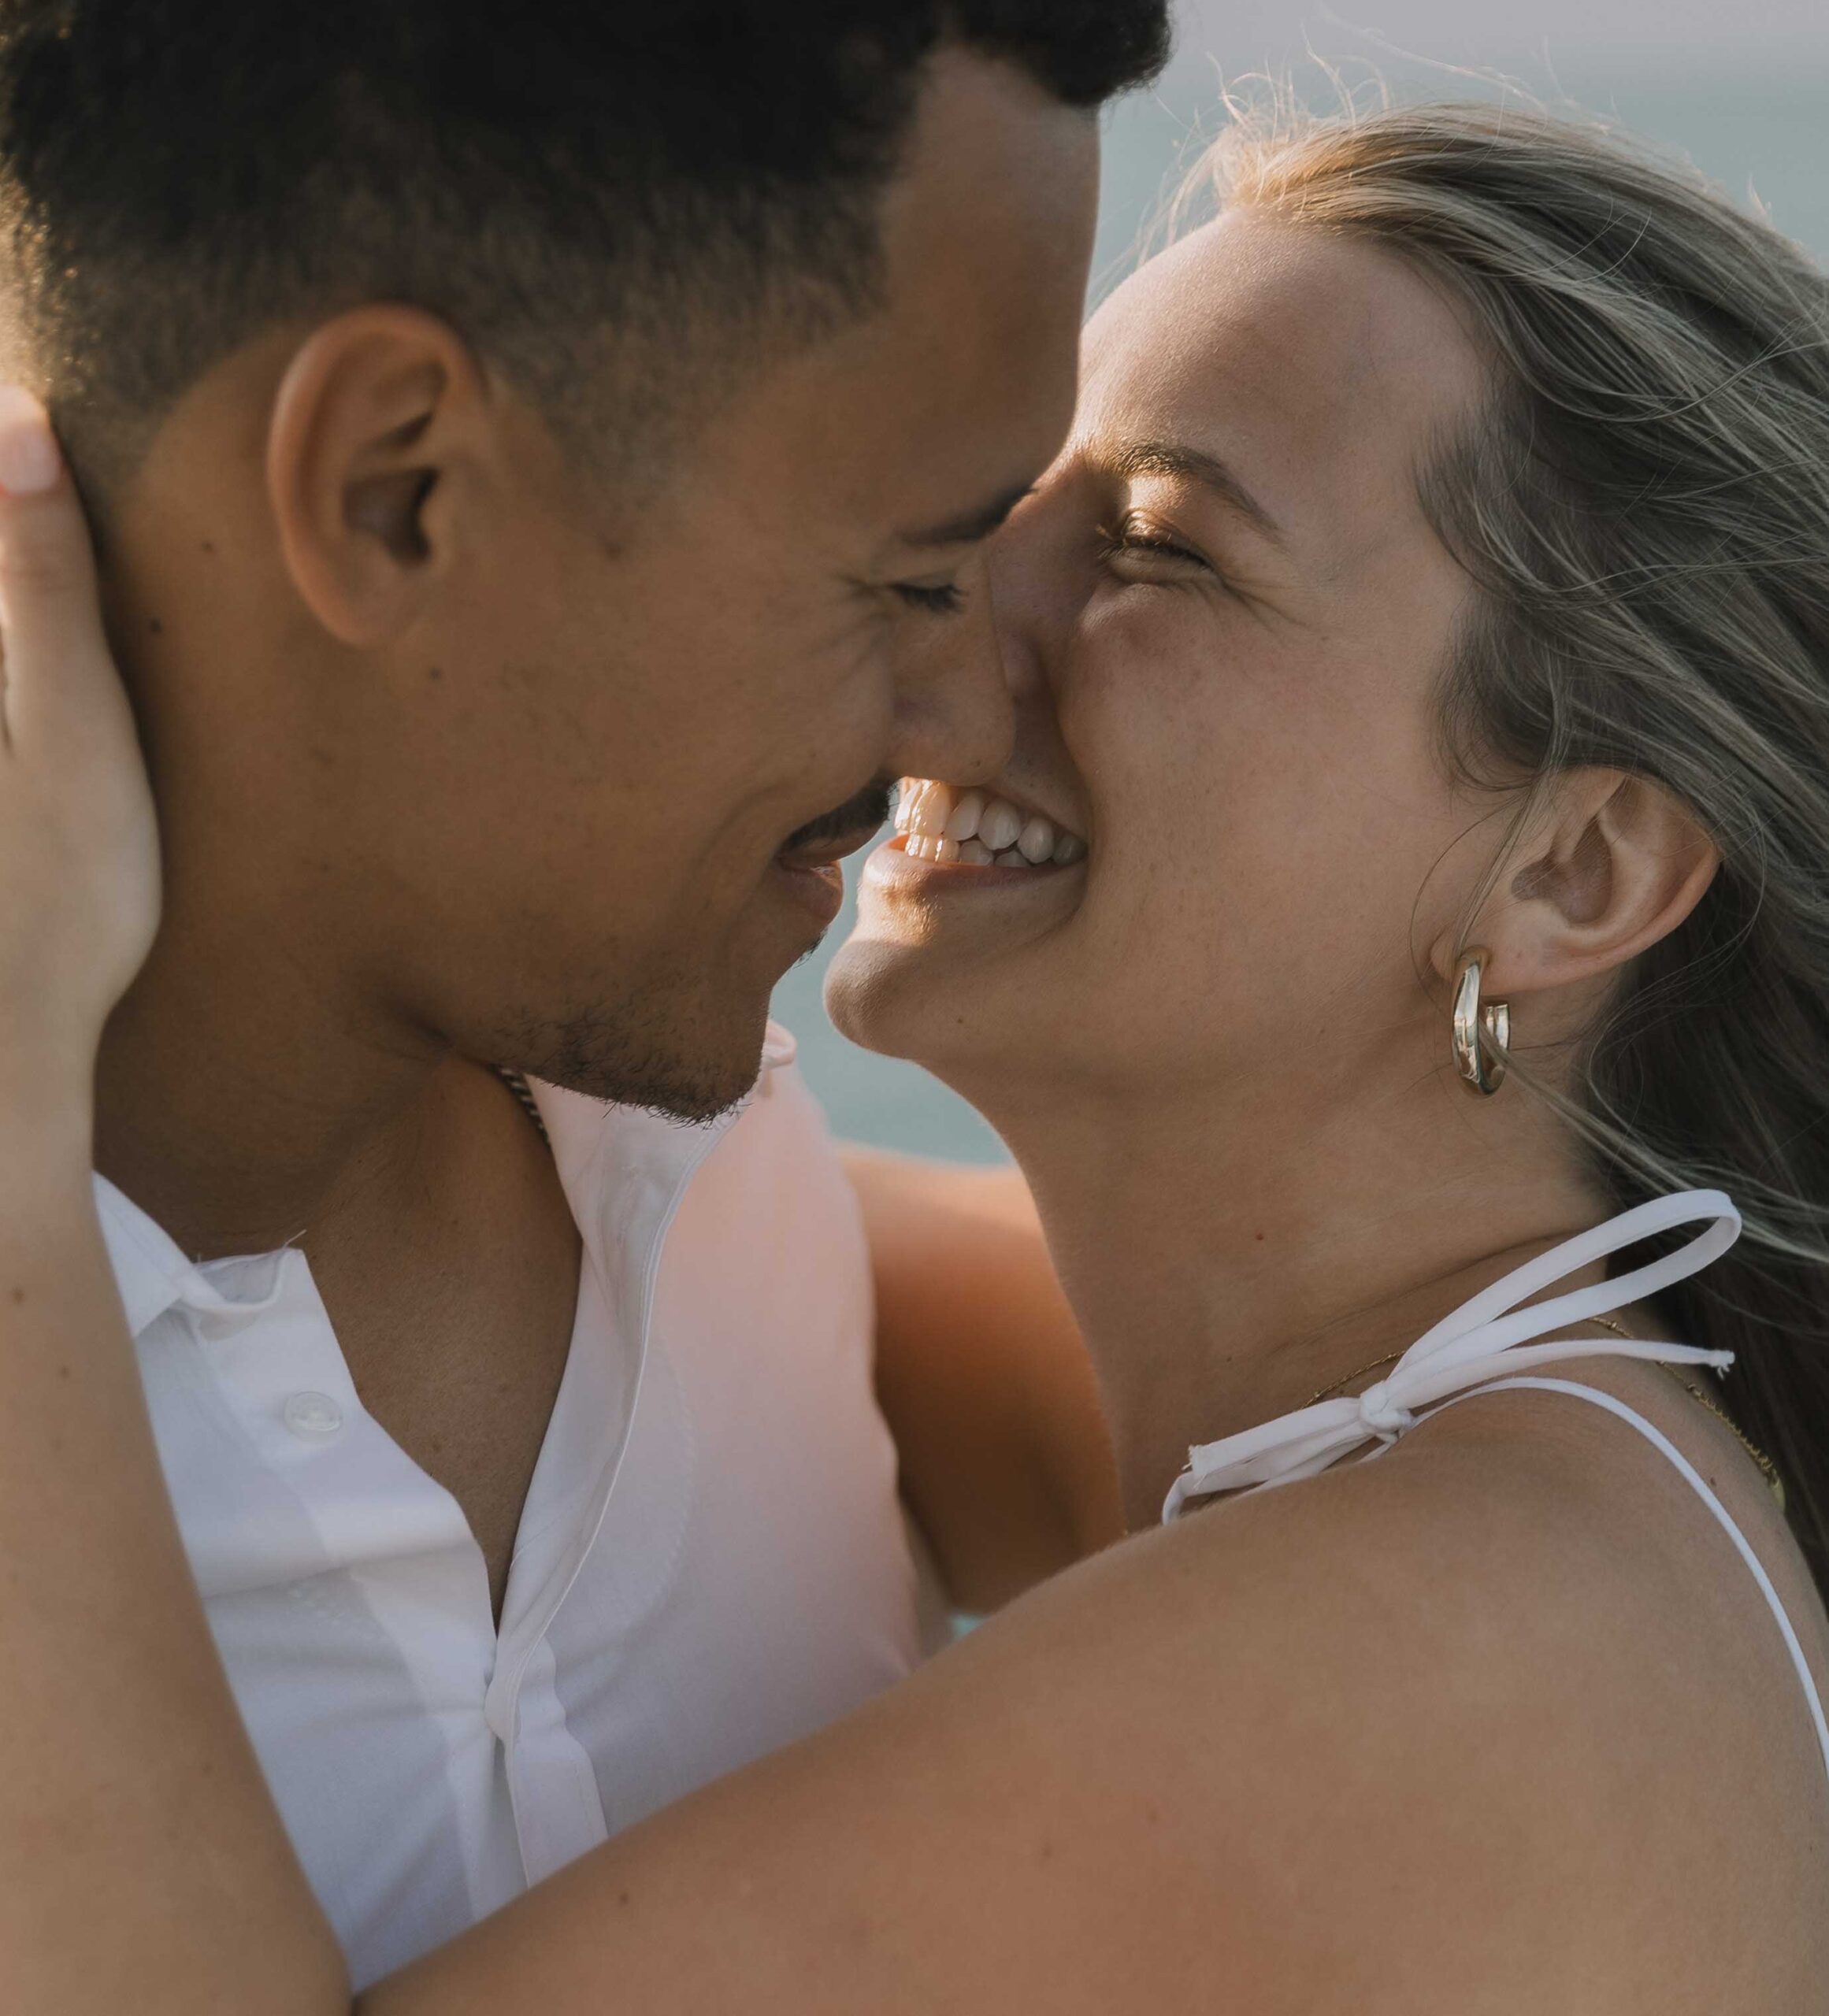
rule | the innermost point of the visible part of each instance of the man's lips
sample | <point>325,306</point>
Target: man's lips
<point>823,842</point>
<point>828,854</point>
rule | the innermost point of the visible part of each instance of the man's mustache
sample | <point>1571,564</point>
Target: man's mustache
<point>862,813</point>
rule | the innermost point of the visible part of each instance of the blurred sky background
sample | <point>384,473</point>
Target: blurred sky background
<point>1742,90</point>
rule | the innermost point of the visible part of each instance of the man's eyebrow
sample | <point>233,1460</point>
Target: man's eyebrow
<point>1175,458</point>
<point>970,527</point>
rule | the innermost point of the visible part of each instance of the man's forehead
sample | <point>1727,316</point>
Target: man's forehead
<point>927,416</point>
<point>924,439</point>
<point>996,168</point>
<point>933,456</point>
<point>828,473</point>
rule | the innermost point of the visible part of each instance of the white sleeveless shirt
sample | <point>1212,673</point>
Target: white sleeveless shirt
<point>1496,1333</point>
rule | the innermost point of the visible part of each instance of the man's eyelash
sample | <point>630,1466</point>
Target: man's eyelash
<point>947,599</point>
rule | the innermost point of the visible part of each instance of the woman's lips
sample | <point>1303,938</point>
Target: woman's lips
<point>893,866</point>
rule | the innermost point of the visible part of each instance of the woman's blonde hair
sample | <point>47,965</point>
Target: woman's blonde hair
<point>1643,510</point>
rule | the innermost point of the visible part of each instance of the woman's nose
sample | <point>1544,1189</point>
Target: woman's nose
<point>954,717</point>
<point>1037,585</point>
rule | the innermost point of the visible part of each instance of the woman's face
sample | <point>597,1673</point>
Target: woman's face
<point>1223,615</point>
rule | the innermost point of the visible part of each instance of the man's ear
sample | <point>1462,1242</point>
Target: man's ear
<point>1612,864</point>
<point>377,411</point>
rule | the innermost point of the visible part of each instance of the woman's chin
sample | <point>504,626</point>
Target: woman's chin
<point>874,994</point>
<point>899,1001</point>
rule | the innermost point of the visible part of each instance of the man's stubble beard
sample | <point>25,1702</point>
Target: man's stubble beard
<point>671,1049</point>
<point>634,1053</point>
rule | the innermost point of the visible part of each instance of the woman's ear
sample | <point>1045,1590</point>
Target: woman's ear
<point>1612,864</point>
<point>375,413</point>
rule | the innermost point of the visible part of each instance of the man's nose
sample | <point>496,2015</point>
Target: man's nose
<point>954,720</point>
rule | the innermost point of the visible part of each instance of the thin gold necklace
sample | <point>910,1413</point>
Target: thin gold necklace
<point>1350,1377</point>
<point>1767,1469</point>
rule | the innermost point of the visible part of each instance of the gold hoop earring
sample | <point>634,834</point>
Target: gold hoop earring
<point>1482,1066</point>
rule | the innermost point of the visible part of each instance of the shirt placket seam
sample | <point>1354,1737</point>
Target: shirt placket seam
<point>525,1659</point>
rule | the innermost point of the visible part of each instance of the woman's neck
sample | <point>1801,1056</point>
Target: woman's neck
<point>1229,1258</point>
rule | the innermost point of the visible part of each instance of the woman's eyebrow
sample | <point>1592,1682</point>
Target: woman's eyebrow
<point>1175,458</point>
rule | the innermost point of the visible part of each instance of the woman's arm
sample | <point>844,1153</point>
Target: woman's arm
<point>142,1865</point>
<point>1375,1743</point>
<point>983,1377</point>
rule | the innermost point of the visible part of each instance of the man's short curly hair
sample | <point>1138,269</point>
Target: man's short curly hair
<point>572,184</point>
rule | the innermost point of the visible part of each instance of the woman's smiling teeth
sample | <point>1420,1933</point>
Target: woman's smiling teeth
<point>973,830</point>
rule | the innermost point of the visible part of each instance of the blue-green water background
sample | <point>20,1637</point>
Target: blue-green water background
<point>1760,129</point>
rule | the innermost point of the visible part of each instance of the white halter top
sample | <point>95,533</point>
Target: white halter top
<point>1494,1333</point>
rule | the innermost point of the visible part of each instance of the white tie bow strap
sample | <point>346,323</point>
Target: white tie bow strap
<point>1490,1335</point>
<point>1383,1415</point>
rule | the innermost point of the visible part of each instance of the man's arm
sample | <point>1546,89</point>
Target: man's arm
<point>983,1377</point>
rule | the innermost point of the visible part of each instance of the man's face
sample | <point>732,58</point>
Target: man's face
<point>776,633</point>
<point>562,820</point>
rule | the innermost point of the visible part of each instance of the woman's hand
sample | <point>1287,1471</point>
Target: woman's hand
<point>78,845</point>
<point>141,1864</point>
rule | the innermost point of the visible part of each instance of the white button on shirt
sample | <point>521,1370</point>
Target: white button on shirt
<point>313,1415</point>
<point>710,1562</point>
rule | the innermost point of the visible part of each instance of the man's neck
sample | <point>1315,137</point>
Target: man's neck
<point>236,1099</point>
<point>246,1109</point>
<point>1228,1257</point>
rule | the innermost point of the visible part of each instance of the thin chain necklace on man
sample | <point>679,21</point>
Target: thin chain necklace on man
<point>523,1092</point>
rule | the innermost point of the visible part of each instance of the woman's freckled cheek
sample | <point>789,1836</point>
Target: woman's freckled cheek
<point>1150,724</point>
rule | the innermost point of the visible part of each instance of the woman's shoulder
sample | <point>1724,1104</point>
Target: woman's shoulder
<point>1510,1680</point>
<point>1527,1549</point>
<point>1523,1639</point>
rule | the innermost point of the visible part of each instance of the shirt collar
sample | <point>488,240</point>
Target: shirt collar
<point>150,1270</point>
<point>153,1274</point>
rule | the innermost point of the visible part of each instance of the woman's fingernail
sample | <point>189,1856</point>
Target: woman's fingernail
<point>30,462</point>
